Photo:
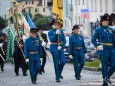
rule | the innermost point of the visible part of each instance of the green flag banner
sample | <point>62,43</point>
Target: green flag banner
<point>10,44</point>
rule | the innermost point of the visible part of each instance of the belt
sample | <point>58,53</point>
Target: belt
<point>107,44</point>
<point>33,52</point>
<point>78,48</point>
<point>55,43</point>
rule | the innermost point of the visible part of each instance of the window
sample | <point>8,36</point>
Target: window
<point>91,5</point>
<point>26,2</point>
<point>32,2</point>
<point>29,2</point>
<point>29,10</point>
<point>83,2</point>
<point>36,10</point>
<point>78,2</point>
<point>43,9</point>
<point>95,5</point>
<point>106,5</point>
<point>100,5</point>
<point>113,5</point>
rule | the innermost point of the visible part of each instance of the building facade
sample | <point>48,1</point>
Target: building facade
<point>34,7</point>
<point>4,5</point>
<point>87,13</point>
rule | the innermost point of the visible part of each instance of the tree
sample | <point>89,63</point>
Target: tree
<point>2,23</point>
<point>37,16</point>
<point>43,23</point>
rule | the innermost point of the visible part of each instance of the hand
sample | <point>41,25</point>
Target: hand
<point>70,56</point>
<point>57,31</point>
<point>1,44</point>
<point>27,60</point>
<point>43,44</point>
<point>20,46</point>
<point>100,47</point>
<point>59,47</point>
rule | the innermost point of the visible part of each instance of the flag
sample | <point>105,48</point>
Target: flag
<point>26,26</point>
<point>10,44</point>
<point>29,20</point>
<point>57,10</point>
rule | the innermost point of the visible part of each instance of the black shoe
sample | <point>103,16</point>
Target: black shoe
<point>24,74</point>
<point>61,76</point>
<point>40,72</point>
<point>17,74</point>
<point>33,82</point>
<point>58,81</point>
<point>77,78</point>
<point>2,70</point>
<point>105,84</point>
<point>43,70</point>
<point>109,81</point>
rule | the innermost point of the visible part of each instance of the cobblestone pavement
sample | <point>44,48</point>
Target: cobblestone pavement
<point>89,78</point>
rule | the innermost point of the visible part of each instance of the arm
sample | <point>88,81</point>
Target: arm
<point>52,36</point>
<point>45,37</point>
<point>40,49</point>
<point>70,46</point>
<point>113,38</point>
<point>83,44</point>
<point>95,37</point>
<point>26,49</point>
<point>64,40</point>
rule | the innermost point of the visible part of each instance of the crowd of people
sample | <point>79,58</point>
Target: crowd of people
<point>28,52</point>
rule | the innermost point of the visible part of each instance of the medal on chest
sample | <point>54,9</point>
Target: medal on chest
<point>36,42</point>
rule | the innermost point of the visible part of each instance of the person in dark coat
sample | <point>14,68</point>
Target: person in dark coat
<point>19,60</point>
<point>2,52</point>
<point>43,38</point>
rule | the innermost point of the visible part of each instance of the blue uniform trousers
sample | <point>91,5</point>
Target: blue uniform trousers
<point>104,62</point>
<point>78,62</point>
<point>59,62</point>
<point>34,67</point>
<point>112,66</point>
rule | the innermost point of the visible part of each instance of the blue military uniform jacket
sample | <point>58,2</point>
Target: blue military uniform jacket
<point>33,45</point>
<point>103,35</point>
<point>54,39</point>
<point>76,45</point>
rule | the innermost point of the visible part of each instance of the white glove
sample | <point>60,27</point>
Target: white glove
<point>100,47</point>
<point>70,56</point>
<point>57,31</point>
<point>43,44</point>
<point>1,44</point>
<point>59,47</point>
<point>27,60</point>
<point>24,37</point>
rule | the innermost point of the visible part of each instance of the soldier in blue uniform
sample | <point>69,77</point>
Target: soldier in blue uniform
<point>33,51</point>
<point>105,48</point>
<point>77,49</point>
<point>58,42</point>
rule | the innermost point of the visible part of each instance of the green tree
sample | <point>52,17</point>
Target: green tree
<point>43,23</point>
<point>37,16</point>
<point>2,23</point>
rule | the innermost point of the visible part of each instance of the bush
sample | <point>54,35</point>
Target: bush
<point>94,63</point>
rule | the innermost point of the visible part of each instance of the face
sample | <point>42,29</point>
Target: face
<point>76,31</point>
<point>33,34</point>
<point>55,25</point>
<point>40,31</point>
<point>105,23</point>
<point>19,38</point>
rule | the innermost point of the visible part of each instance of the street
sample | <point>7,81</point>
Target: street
<point>89,78</point>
